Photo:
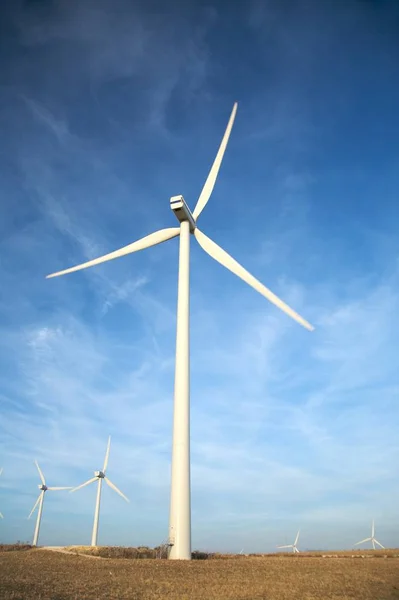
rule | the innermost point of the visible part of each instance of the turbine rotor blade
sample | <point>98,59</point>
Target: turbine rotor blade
<point>213,173</point>
<point>83,484</point>
<point>146,242</point>
<point>297,538</point>
<point>221,256</point>
<point>40,473</point>
<point>60,488</point>
<point>362,541</point>
<point>1,470</point>
<point>379,544</point>
<point>113,486</point>
<point>35,505</point>
<point>107,455</point>
<point>372,528</point>
<point>1,516</point>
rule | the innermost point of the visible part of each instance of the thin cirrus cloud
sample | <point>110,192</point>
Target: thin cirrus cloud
<point>289,429</point>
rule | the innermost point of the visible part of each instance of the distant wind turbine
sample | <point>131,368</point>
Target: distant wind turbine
<point>1,471</point>
<point>99,476</point>
<point>370,539</point>
<point>180,501</point>
<point>43,489</point>
<point>293,546</point>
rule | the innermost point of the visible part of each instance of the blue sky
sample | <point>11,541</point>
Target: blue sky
<point>108,109</point>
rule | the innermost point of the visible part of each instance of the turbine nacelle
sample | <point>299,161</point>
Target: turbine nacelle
<point>371,539</point>
<point>99,474</point>
<point>182,212</point>
<point>292,546</point>
<point>39,502</point>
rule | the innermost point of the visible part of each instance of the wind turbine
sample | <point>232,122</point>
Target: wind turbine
<point>180,503</point>
<point>43,489</point>
<point>370,539</point>
<point>293,546</point>
<point>1,471</point>
<point>99,476</point>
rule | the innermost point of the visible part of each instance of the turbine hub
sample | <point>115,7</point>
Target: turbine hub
<point>182,212</point>
<point>42,487</point>
<point>99,474</point>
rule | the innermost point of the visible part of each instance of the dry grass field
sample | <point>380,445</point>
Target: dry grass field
<point>35,574</point>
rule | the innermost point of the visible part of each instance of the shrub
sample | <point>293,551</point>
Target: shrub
<point>15,547</point>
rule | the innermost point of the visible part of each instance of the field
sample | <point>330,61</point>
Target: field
<point>38,574</point>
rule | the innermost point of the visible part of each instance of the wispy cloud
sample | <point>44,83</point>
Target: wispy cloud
<point>126,48</point>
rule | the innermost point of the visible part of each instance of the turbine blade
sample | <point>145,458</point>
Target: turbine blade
<point>113,486</point>
<point>1,516</point>
<point>221,256</point>
<point>1,470</point>
<point>372,528</point>
<point>383,547</point>
<point>213,173</point>
<point>35,505</point>
<point>362,541</point>
<point>83,484</point>
<point>146,242</point>
<point>107,455</point>
<point>60,488</point>
<point>297,538</point>
<point>40,473</point>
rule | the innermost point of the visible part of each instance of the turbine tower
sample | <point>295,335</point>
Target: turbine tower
<point>43,489</point>
<point>293,546</point>
<point>100,476</point>
<point>180,503</point>
<point>370,539</point>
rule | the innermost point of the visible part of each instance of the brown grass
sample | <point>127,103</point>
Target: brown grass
<point>362,553</point>
<point>142,552</point>
<point>14,547</point>
<point>115,551</point>
<point>145,552</point>
<point>43,575</point>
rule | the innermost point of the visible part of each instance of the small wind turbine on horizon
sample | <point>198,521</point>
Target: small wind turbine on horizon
<point>1,471</point>
<point>370,539</point>
<point>180,492</point>
<point>43,489</point>
<point>99,476</point>
<point>293,546</point>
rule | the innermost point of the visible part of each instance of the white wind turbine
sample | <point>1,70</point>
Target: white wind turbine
<point>293,546</point>
<point>180,503</point>
<point>99,476</point>
<point>1,471</point>
<point>43,489</point>
<point>370,539</point>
